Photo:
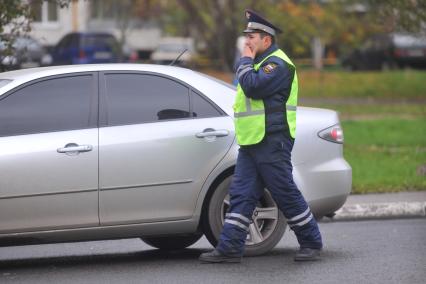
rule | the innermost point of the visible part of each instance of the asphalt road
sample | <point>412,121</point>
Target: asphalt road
<point>386,251</point>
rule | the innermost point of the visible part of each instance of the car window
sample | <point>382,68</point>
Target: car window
<point>139,98</point>
<point>56,104</point>
<point>65,42</point>
<point>74,41</point>
<point>99,41</point>
<point>201,108</point>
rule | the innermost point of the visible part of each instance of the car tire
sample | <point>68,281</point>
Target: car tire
<point>265,231</point>
<point>172,242</point>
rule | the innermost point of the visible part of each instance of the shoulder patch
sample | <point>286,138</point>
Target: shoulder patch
<point>269,68</point>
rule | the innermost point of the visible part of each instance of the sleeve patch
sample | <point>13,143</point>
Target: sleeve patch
<point>269,68</point>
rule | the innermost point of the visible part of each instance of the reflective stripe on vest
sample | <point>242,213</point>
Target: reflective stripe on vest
<point>249,114</point>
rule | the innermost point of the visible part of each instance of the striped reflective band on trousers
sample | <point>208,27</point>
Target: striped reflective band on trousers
<point>237,220</point>
<point>301,219</point>
<point>260,111</point>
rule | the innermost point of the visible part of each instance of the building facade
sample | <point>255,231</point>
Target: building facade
<point>52,22</point>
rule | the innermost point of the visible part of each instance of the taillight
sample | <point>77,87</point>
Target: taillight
<point>133,56</point>
<point>399,52</point>
<point>333,134</point>
<point>82,54</point>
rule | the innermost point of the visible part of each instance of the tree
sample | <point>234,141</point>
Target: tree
<point>216,23</point>
<point>16,17</point>
<point>332,23</point>
<point>15,20</point>
<point>400,15</point>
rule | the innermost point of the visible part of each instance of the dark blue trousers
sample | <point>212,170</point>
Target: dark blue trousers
<point>267,164</point>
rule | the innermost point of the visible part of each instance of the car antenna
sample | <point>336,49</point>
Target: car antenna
<point>177,58</point>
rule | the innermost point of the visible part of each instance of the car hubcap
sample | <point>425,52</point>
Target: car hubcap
<point>264,219</point>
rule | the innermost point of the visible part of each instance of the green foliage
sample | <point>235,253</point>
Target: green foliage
<point>338,24</point>
<point>399,15</point>
<point>215,23</point>
<point>14,15</point>
<point>15,19</point>
<point>363,110</point>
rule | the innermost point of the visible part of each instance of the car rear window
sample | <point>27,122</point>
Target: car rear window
<point>99,41</point>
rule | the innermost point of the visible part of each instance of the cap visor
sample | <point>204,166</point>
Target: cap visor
<point>246,31</point>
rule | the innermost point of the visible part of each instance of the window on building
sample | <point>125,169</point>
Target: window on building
<point>45,11</point>
<point>104,9</point>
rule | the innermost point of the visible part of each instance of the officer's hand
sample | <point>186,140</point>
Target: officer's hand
<point>248,52</point>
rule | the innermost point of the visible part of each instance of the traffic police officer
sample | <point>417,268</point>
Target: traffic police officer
<point>265,125</point>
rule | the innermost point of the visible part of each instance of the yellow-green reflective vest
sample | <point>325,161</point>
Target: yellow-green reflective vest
<point>249,114</point>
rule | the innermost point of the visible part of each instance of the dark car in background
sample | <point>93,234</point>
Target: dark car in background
<point>25,52</point>
<point>87,47</point>
<point>388,51</point>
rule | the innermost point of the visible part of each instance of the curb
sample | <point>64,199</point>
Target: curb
<point>388,210</point>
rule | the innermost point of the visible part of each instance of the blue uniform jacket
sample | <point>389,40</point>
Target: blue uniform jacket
<point>271,83</point>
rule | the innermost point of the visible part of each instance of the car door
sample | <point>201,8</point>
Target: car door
<point>158,142</point>
<point>49,155</point>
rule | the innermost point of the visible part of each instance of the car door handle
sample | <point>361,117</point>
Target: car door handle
<point>209,132</point>
<point>75,148</point>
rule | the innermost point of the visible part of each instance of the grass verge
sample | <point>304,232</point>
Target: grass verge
<point>375,110</point>
<point>407,84</point>
<point>386,155</point>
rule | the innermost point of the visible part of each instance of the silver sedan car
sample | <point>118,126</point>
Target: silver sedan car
<point>112,151</point>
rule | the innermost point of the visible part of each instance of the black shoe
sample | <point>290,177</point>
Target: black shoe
<point>215,256</point>
<point>307,254</point>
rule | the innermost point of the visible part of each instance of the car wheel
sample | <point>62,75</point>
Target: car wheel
<point>265,231</point>
<point>172,242</point>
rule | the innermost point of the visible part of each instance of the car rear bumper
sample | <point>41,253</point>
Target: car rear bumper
<point>325,186</point>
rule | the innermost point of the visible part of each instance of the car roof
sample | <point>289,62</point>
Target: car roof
<point>219,93</point>
<point>90,34</point>
<point>34,73</point>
